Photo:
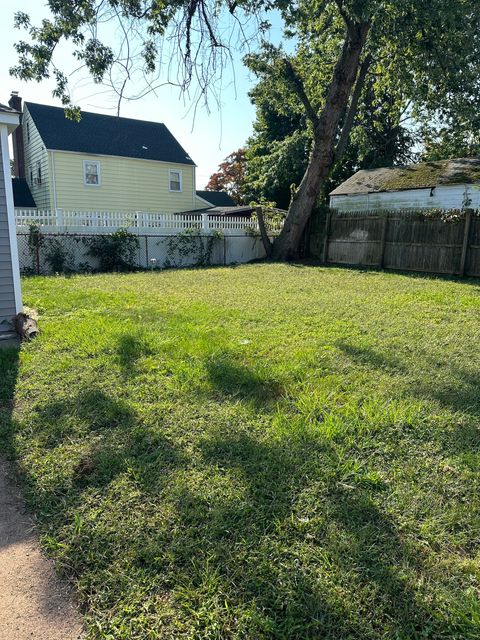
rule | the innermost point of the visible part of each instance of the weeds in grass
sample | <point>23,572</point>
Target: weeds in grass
<point>260,452</point>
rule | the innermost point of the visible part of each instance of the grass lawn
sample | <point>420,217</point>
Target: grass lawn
<point>266,451</point>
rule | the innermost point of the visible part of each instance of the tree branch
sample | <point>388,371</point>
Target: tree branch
<point>297,85</point>
<point>267,245</point>
<point>352,109</point>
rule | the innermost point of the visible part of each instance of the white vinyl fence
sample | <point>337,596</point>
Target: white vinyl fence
<point>62,221</point>
<point>237,239</point>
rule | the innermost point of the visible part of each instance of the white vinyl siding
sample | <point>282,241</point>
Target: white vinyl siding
<point>126,184</point>
<point>36,157</point>
<point>441,197</point>
<point>7,291</point>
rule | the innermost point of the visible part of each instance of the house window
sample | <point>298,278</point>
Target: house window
<point>175,181</point>
<point>30,175</point>
<point>91,173</point>
<point>28,131</point>
<point>38,171</point>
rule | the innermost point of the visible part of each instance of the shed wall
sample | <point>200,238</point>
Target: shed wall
<point>441,197</point>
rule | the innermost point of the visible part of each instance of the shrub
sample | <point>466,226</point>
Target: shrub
<point>57,256</point>
<point>190,244</point>
<point>115,252</point>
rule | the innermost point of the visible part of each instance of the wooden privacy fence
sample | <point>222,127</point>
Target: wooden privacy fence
<point>445,242</point>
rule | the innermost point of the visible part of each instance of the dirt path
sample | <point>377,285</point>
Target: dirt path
<point>34,604</point>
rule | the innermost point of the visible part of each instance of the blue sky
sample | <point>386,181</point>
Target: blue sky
<point>208,138</point>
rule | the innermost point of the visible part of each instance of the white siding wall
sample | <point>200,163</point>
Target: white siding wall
<point>35,151</point>
<point>126,184</point>
<point>8,300</point>
<point>442,197</point>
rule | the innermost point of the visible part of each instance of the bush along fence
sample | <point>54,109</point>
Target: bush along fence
<point>42,252</point>
<point>81,241</point>
<point>433,241</point>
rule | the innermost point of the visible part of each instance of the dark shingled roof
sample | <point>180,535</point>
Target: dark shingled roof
<point>106,135</point>
<point>236,211</point>
<point>4,107</point>
<point>22,196</point>
<point>217,198</point>
<point>424,175</point>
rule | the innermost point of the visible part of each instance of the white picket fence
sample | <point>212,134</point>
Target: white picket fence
<point>140,222</point>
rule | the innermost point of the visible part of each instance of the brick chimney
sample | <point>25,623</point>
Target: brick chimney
<point>15,102</point>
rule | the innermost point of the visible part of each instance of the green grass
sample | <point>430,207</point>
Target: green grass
<point>258,452</point>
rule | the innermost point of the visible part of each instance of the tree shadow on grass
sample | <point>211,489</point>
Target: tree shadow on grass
<point>130,349</point>
<point>345,574</point>
<point>371,357</point>
<point>99,437</point>
<point>9,367</point>
<point>231,378</point>
<point>455,388</point>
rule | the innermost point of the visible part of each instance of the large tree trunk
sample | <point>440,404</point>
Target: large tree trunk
<point>322,156</point>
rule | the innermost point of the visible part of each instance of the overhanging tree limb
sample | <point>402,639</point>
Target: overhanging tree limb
<point>352,109</point>
<point>296,84</point>
<point>323,151</point>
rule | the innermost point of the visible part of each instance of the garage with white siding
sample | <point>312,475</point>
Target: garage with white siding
<point>442,184</point>
<point>10,294</point>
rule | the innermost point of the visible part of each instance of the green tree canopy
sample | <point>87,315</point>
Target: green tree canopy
<point>423,51</point>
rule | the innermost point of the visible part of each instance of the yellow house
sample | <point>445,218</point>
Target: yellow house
<point>102,163</point>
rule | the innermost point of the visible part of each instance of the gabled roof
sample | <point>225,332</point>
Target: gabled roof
<point>22,196</point>
<point>217,198</point>
<point>106,135</point>
<point>7,109</point>
<point>424,175</point>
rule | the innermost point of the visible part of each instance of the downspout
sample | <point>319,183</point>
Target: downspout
<point>53,182</point>
<point>194,204</point>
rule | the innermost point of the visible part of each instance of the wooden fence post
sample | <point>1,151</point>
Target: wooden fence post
<point>325,240</point>
<point>383,241</point>
<point>466,235</point>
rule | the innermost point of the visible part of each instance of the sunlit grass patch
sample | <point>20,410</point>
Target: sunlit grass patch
<point>265,451</point>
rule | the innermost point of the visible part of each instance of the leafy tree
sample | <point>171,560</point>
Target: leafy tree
<point>428,47</point>
<point>230,176</point>
<point>277,152</point>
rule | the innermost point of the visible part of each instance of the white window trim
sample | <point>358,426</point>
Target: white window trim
<point>89,184</point>
<point>180,173</point>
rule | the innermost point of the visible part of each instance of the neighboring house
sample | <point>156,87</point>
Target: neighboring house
<point>207,199</point>
<point>443,184</point>
<point>22,196</point>
<point>10,293</point>
<point>219,203</point>
<point>102,163</point>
